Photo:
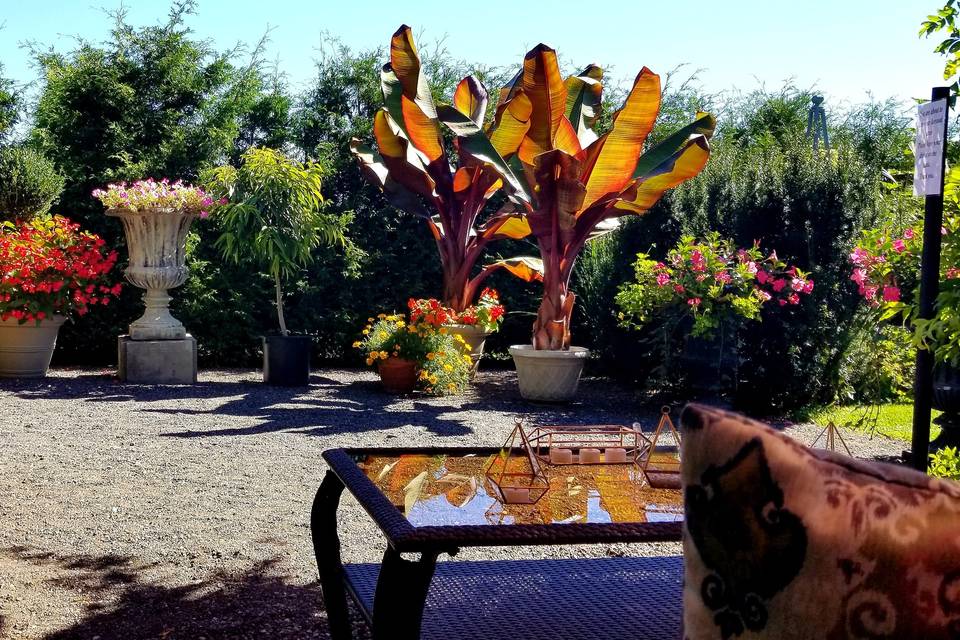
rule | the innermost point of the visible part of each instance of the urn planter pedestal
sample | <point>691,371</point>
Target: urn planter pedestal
<point>548,376</point>
<point>474,338</point>
<point>286,360</point>
<point>158,348</point>
<point>26,349</point>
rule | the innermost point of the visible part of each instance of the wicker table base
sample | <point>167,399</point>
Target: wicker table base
<point>609,598</point>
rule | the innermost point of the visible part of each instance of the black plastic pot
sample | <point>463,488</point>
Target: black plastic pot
<point>946,398</point>
<point>286,360</point>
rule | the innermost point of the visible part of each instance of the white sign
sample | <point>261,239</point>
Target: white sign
<point>928,166</point>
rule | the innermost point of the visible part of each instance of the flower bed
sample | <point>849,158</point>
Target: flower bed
<point>175,197</point>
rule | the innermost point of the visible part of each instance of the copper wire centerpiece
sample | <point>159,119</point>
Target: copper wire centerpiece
<point>515,474</point>
<point>662,465</point>
<point>588,444</point>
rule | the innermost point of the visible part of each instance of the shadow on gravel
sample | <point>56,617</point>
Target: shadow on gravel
<point>122,603</point>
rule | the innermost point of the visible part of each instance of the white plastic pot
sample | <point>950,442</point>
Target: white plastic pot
<point>548,376</point>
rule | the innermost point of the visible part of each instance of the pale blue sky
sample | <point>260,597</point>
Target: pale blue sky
<point>846,48</point>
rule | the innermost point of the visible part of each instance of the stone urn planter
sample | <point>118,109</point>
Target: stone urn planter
<point>548,376</point>
<point>26,349</point>
<point>156,242</point>
<point>946,398</point>
<point>474,338</point>
<point>286,360</point>
<point>398,375</point>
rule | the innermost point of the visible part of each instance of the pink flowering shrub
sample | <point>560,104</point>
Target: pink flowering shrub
<point>886,268</point>
<point>709,280</point>
<point>175,197</point>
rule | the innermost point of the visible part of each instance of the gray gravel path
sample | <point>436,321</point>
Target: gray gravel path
<point>181,512</point>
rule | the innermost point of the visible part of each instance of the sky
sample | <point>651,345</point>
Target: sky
<point>847,49</point>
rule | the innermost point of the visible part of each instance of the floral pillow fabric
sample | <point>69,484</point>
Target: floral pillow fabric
<point>785,542</point>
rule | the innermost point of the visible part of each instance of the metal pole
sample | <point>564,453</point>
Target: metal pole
<point>929,284</point>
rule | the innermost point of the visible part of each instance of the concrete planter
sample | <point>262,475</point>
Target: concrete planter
<point>548,376</point>
<point>26,349</point>
<point>157,246</point>
<point>474,339</point>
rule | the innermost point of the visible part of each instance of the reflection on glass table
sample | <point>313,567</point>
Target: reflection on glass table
<point>452,490</point>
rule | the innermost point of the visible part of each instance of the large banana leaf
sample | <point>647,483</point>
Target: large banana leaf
<point>584,97</point>
<point>510,125</point>
<point>684,164</point>
<point>612,159</point>
<point>473,142</point>
<point>470,99</point>
<point>704,125</point>
<point>373,167</point>
<point>526,268</point>
<point>407,97</point>
<point>400,158</point>
<point>543,85</point>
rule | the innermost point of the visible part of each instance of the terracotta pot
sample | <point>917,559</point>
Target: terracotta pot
<point>474,339</point>
<point>548,376</point>
<point>26,349</point>
<point>398,375</point>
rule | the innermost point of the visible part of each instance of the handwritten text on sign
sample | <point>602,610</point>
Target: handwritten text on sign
<point>928,166</point>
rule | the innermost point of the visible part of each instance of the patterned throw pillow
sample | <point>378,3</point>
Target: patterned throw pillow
<point>785,542</point>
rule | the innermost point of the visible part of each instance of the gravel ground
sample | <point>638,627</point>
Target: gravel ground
<point>131,511</point>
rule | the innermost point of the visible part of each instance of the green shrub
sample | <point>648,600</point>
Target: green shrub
<point>878,366</point>
<point>28,183</point>
<point>945,463</point>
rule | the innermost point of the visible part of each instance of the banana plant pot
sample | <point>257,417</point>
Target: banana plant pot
<point>548,376</point>
<point>398,375</point>
<point>473,340</point>
<point>286,360</point>
<point>26,349</point>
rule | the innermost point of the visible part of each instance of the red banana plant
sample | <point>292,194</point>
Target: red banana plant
<point>581,183</point>
<point>415,171</point>
<point>564,184</point>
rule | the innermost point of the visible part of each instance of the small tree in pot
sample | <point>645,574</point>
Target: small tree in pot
<point>582,185</point>
<point>271,213</point>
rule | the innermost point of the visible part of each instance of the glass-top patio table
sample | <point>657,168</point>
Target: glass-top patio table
<point>428,502</point>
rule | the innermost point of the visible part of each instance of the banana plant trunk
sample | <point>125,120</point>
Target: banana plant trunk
<point>551,330</point>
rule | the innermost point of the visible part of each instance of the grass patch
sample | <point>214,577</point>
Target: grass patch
<point>892,420</point>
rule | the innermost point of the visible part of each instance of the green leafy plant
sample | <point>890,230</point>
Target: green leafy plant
<point>945,20</point>
<point>945,463</point>
<point>273,215</point>
<point>29,183</point>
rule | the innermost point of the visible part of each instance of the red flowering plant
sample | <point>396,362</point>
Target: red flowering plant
<point>487,314</point>
<point>709,280</point>
<point>48,267</point>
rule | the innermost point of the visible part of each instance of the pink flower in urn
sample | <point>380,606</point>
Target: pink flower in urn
<point>679,288</point>
<point>953,273</point>
<point>752,268</point>
<point>694,302</point>
<point>793,299</point>
<point>898,246</point>
<point>891,294</point>
<point>908,234</point>
<point>779,284</point>
<point>762,276</point>
<point>722,277</point>
<point>662,279</point>
<point>859,276</point>
<point>797,284</point>
<point>807,286</point>
<point>859,256</point>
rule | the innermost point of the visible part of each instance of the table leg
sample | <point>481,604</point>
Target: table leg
<point>401,595</point>
<point>326,547</point>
